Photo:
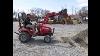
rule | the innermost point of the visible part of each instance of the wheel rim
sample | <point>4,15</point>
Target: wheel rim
<point>47,39</point>
<point>23,38</point>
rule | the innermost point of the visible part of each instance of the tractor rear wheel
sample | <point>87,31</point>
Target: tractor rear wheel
<point>24,37</point>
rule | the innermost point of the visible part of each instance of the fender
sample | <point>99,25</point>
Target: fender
<point>30,31</point>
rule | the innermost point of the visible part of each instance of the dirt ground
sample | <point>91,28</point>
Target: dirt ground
<point>37,47</point>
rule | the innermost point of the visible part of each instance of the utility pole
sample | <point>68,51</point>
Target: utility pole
<point>75,11</point>
<point>72,10</point>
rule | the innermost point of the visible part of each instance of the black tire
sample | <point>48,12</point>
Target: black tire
<point>47,39</point>
<point>24,37</point>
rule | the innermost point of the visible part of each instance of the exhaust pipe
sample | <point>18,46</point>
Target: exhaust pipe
<point>16,33</point>
<point>53,30</point>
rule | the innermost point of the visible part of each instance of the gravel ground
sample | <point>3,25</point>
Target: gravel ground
<point>36,47</point>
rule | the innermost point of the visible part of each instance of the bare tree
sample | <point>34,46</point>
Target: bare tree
<point>44,12</point>
<point>15,15</point>
<point>83,13</point>
<point>39,11</point>
<point>36,11</point>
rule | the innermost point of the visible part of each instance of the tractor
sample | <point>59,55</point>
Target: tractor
<point>26,33</point>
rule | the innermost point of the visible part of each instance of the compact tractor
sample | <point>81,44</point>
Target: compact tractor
<point>26,33</point>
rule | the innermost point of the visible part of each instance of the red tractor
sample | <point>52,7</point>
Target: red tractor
<point>25,33</point>
<point>47,16</point>
<point>60,17</point>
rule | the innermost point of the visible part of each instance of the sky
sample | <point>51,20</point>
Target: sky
<point>52,5</point>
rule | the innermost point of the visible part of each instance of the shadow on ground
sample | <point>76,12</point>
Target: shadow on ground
<point>40,42</point>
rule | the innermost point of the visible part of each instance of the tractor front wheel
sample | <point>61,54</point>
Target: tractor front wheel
<point>47,39</point>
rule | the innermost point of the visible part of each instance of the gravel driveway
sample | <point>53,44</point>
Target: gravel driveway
<point>36,47</point>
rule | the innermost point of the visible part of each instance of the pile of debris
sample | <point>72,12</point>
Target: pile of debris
<point>82,38</point>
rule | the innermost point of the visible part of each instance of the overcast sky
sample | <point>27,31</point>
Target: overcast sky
<point>52,5</point>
